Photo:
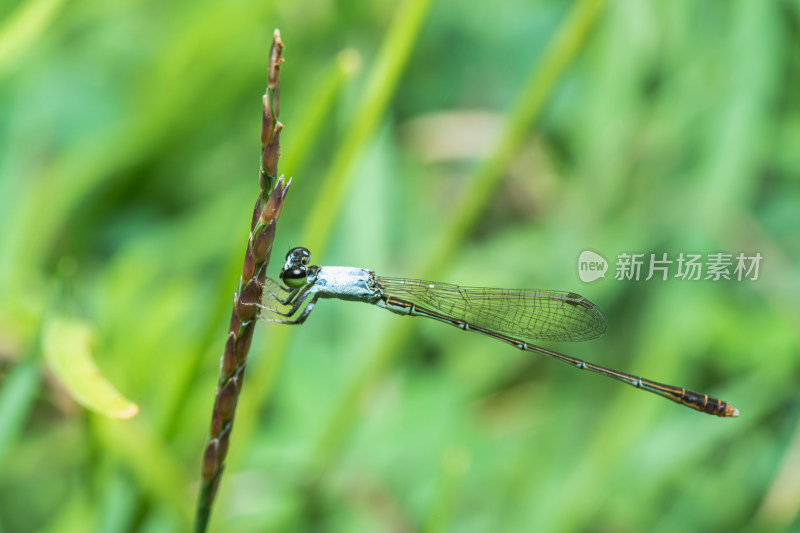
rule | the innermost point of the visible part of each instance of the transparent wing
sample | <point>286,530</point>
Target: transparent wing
<point>528,314</point>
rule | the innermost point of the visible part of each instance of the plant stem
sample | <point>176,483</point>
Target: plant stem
<point>534,92</point>
<point>268,207</point>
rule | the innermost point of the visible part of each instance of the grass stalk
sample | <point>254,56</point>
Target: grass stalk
<point>532,95</point>
<point>392,58</point>
<point>267,210</point>
<point>316,118</point>
<point>383,80</point>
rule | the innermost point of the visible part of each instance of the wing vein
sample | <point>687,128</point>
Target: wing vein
<point>528,314</point>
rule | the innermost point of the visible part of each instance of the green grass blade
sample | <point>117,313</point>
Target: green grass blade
<point>380,87</point>
<point>24,27</point>
<point>16,398</point>
<point>384,78</point>
<point>533,93</point>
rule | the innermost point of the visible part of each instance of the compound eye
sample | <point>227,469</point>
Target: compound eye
<point>299,254</point>
<point>294,277</point>
<point>294,272</point>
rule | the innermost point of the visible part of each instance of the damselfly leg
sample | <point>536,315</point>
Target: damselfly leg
<point>299,319</point>
<point>287,307</point>
<point>275,290</point>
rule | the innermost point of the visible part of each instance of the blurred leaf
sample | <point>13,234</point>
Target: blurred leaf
<point>143,452</point>
<point>16,397</point>
<point>24,27</point>
<point>127,168</point>
<point>383,81</point>
<point>67,348</point>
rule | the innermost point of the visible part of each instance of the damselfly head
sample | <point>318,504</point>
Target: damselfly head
<point>295,270</point>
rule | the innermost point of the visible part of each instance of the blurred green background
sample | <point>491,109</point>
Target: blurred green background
<point>479,143</point>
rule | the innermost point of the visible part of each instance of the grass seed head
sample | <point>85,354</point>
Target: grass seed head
<point>222,447</point>
<point>210,460</point>
<point>226,402</point>
<point>263,245</point>
<point>229,357</point>
<point>275,60</point>
<point>274,205</point>
<point>269,158</point>
<point>249,263</point>
<point>243,344</point>
<point>250,295</point>
<point>267,121</point>
<point>216,421</point>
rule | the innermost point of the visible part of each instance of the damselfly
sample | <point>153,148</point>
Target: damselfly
<point>513,316</point>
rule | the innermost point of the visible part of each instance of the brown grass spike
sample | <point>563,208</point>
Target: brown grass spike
<point>266,212</point>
